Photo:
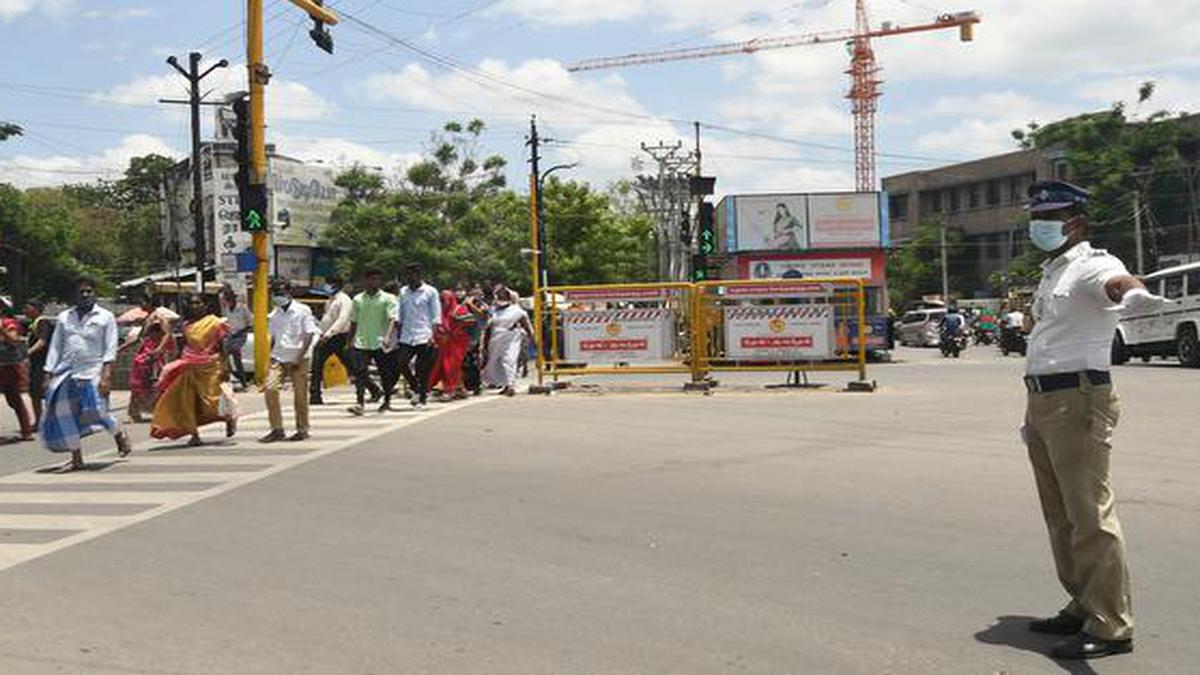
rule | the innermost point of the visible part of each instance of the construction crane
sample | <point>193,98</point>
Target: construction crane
<point>864,70</point>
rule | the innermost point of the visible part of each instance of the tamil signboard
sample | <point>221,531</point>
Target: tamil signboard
<point>801,222</point>
<point>597,295</point>
<point>779,333</point>
<point>619,336</point>
<point>303,198</point>
<point>870,266</point>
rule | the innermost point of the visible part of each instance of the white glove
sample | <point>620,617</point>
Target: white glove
<point>1140,301</point>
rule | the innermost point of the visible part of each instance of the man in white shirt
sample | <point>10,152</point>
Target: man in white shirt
<point>1071,412</point>
<point>79,362</point>
<point>420,310</point>
<point>293,329</point>
<point>1015,320</point>
<point>336,325</point>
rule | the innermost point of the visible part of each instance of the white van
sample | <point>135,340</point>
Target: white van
<point>1174,331</point>
<point>920,328</point>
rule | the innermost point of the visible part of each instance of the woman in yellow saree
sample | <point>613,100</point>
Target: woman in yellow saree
<point>189,388</point>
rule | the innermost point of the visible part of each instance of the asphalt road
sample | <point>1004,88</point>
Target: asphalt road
<point>788,532</point>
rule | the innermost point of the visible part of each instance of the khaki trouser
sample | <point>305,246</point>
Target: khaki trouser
<point>1069,434</point>
<point>298,372</point>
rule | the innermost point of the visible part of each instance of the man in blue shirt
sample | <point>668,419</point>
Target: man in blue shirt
<point>420,310</point>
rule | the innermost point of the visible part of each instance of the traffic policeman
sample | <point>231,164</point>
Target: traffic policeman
<point>1071,412</point>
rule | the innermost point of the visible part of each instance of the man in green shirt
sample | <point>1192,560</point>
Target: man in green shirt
<point>374,323</point>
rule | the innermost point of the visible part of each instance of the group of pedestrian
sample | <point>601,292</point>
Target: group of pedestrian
<point>451,342</point>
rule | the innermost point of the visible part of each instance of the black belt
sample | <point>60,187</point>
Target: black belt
<point>1043,384</point>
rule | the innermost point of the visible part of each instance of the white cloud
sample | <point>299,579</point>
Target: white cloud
<point>341,152</point>
<point>676,13</point>
<point>1172,93</point>
<point>117,14</point>
<point>286,100</point>
<point>10,9</point>
<point>982,124</point>
<point>28,171</point>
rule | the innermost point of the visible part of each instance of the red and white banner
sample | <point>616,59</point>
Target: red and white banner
<point>779,290</point>
<point>622,335</point>
<point>619,294</point>
<point>790,333</point>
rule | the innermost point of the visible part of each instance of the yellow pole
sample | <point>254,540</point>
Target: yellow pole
<point>535,266</point>
<point>258,176</point>
<point>862,330</point>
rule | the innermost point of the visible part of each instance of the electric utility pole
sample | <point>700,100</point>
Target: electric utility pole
<point>195,100</point>
<point>665,195</point>
<point>536,239</point>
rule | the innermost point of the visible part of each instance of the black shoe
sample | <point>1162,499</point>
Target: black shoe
<point>1063,624</point>
<point>275,436</point>
<point>386,406</point>
<point>299,436</point>
<point>375,396</point>
<point>1084,646</point>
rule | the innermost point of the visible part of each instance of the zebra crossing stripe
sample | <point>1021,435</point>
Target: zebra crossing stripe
<point>41,513</point>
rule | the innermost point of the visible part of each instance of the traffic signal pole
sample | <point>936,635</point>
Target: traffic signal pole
<point>258,176</point>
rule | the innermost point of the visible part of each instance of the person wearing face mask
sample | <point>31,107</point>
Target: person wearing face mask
<point>1070,415</point>
<point>79,363</point>
<point>292,328</point>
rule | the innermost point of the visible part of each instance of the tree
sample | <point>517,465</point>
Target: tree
<point>8,130</point>
<point>915,269</point>
<point>453,214</point>
<point>1119,156</point>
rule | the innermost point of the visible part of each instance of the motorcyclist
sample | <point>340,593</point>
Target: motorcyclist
<point>952,324</point>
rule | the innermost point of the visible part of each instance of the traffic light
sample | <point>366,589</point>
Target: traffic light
<point>708,229</point>
<point>252,198</point>
<point>699,268</point>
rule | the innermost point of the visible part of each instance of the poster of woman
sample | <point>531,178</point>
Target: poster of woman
<point>772,223</point>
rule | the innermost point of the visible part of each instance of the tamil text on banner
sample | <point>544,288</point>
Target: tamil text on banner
<point>620,335</point>
<point>789,333</point>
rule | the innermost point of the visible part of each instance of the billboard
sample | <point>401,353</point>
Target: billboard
<point>801,222</point>
<point>867,265</point>
<point>303,199</point>
<point>772,222</point>
<point>849,220</point>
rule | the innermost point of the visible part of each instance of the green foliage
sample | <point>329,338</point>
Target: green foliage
<point>1117,155</point>
<point>453,214</point>
<point>106,229</point>
<point>916,269</point>
<point>8,130</point>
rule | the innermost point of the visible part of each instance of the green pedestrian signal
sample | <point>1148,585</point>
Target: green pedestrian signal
<point>254,222</point>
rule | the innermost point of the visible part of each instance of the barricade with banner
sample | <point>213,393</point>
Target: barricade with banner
<point>618,328</point>
<point>780,325</point>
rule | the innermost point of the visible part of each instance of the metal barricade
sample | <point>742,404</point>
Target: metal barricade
<point>780,325</point>
<point>618,328</point>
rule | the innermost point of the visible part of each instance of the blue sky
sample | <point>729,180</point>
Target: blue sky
<point>83,76</point>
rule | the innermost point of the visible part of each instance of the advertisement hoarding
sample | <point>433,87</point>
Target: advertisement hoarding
<point>867,265</point>
<point>619,336</point>
<point>801,221</point>
<point>850,220</point>
<point>303,198</point>
<point>772,222</point>
<point>788,333</point>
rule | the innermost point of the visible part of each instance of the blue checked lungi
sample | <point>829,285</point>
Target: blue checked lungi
<point>73,409</point>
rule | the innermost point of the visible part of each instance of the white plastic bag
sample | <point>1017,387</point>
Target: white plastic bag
<point>227,405</point>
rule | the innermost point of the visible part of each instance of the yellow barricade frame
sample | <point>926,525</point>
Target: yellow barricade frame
<point>692,352</point>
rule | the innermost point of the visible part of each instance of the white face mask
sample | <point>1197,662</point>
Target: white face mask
<point>1047,235</point>
<point>280,300</point>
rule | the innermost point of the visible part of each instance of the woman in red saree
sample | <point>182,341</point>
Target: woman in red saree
<point>452,341</point>
<point>189,389</point>
<point>155,343</point>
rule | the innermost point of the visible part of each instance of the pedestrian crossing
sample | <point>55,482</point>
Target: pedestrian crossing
<point>42,512</point>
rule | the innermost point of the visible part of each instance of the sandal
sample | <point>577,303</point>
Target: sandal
<point>123,446</point>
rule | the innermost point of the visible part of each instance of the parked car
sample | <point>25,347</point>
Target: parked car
<point>920,327</point>
<point>1174,330</point>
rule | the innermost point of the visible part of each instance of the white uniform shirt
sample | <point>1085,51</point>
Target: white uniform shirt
<point>289,327</point>
<point>1075,328</point>
<point>1014,319</point>
<point>85,342</point>
<point>338,313</point>
<point>419,312</point>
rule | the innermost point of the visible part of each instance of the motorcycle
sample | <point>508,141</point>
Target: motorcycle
<point>953,345</point>
<point>1012,340</point>
<point>984,336</point>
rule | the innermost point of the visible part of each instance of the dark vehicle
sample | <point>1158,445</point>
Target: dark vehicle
<point>953,345</point>
<point>984,336</point>
<point>1012,340</point>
